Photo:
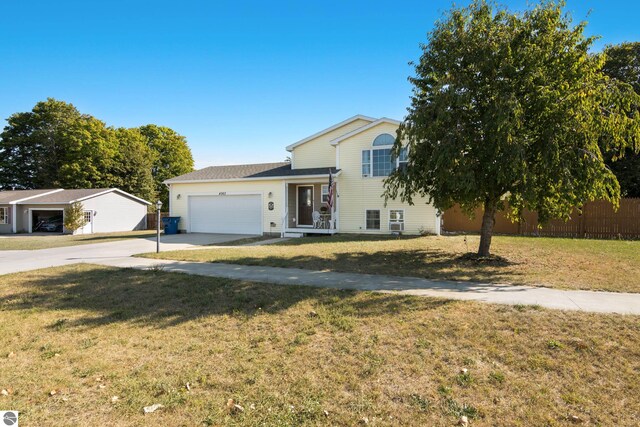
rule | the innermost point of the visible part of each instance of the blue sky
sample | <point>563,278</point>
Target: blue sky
<point>241,80</point>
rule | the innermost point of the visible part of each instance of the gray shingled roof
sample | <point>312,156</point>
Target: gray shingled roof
<point>67,196</point>
<point>11,196</point>
<point>260,170</point>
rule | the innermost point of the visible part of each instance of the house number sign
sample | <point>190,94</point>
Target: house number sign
<point>270,206</point>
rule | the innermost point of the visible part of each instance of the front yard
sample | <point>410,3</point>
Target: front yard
<point>606,265</point>
<point>94,345</point>
<point>33,242</point>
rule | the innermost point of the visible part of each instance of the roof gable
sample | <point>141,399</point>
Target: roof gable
<point>330,129</point>
<point>363,129</point>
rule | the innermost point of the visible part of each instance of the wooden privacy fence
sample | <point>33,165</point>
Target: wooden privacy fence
<point>598,221</point>
<point>151,219</point>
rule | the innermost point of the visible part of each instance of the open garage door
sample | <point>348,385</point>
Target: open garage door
<point>230,214</point>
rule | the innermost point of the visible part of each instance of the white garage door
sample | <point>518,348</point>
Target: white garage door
<point>233,214</point>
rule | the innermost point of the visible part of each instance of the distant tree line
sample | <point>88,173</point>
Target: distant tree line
<point>56,146</point>
<point>623,63</point>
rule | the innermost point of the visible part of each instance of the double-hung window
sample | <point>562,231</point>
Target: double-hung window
<point>403,160</point>
<point>373,219</point>
<point>366,162</point>
<point>4,215</point>
<point>325,193</point>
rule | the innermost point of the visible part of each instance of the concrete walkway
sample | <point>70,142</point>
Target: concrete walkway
<point>119,254</point>
<point>600,302</point>
<point>25,260</point>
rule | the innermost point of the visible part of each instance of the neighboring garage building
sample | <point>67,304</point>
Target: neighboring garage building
<point>105,210</point>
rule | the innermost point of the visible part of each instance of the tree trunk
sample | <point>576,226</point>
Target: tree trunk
<point>486,232</point>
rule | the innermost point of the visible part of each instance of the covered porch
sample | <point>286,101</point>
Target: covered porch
<point>307,207</point>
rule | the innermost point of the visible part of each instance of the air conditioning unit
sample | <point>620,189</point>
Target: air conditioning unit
<point>396,226</point>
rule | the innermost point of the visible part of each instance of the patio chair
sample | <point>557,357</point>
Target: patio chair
<point>316,217</point>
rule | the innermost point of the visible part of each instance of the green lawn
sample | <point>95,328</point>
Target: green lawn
<point>30,242</point>
<point>560,263</point>
<point>287,354</point>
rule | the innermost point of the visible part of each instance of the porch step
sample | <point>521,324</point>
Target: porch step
<point>289,234</point>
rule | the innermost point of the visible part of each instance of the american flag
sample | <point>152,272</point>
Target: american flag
<point>330,195</point>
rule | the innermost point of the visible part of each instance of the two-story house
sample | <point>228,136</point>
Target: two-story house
<point>295,198</point>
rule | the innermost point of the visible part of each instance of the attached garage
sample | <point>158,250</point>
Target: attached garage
<point>226,213</point>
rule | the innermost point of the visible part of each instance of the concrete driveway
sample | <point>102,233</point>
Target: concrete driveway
<point>16,261</point>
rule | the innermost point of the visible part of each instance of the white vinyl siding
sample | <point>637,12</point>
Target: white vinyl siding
<point>319,152</point>
<point>271,191</point>
<point>114,212</point>
<point>357,194</point>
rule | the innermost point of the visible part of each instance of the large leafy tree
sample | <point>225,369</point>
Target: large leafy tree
<point>623,63</point>
<point>131,168</point>
<point>172,156</point>
<point>511,109</point>
<point>54,145</point>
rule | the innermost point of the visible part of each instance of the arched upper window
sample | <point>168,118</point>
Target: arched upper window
<point>378,160</point>
<point>384,139</point>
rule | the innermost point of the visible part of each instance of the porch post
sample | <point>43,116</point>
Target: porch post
<point>336,206</point>
<point>285,209</point>
<point>14,219</point>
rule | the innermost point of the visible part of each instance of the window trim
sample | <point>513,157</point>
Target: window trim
<point>5,219</point>
<point>403,222</point>
<point>381,147</point>
<point>366,222</point>
<point>324,197</point>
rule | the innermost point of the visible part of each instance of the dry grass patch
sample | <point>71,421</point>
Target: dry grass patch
<point>287,354</point>
<point>26,242</point>
<point>606,265</point>
<point>244,241</point>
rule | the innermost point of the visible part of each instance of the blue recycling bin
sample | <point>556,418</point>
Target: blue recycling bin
<point>170,224</point>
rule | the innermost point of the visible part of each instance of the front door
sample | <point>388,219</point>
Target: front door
<point>305,206</point>
<point>88,223</point>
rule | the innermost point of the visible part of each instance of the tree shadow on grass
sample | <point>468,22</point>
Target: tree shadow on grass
<point>426,264</point>
<point>162,299</point>
<point>98,239</point>
<point>344,238</point>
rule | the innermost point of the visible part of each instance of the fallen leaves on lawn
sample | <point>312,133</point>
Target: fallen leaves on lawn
<point>152,408</point>
<point>233,407</point>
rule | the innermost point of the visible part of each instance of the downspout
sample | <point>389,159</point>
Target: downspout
<point>170,199</point>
